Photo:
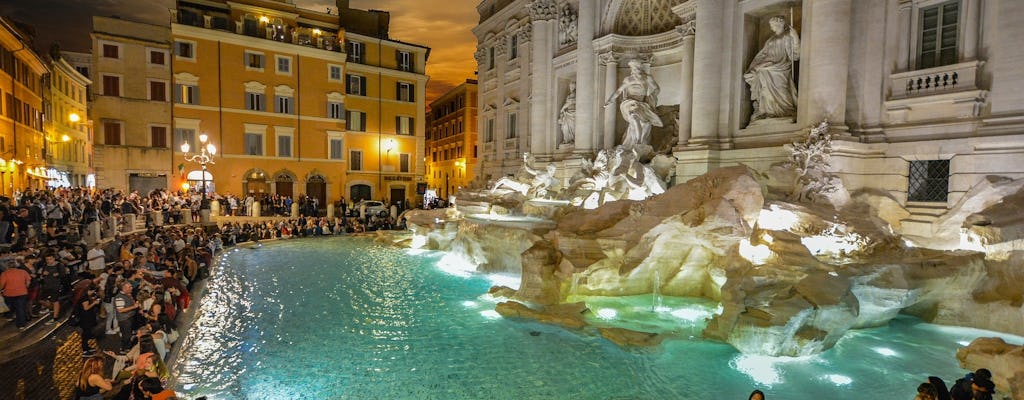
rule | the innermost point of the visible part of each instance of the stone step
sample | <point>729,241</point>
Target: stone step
<point>926,209</point>
<point>916,227</point>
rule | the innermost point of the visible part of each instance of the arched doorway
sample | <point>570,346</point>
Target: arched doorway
<point>196,179</point>
<point>316,188</point>
<point>359,192</point>
<point>256,183</point>
<point>284,185</point>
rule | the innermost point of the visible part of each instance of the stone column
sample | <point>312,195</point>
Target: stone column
<point>585,71</point>
<point>903,52</point>
<point>610,61</point>
<point>971,33</point>
<point>707,74</point>
<point>256,211</point>
<point>827,29</point>
<point>542,16</point>
<point>687,30</point>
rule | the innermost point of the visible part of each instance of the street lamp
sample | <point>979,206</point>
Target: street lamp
<point>203,157</point>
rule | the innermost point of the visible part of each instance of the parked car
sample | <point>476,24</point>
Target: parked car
<point>373,207</point>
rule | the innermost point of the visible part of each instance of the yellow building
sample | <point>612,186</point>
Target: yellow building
<point>131,109</point>
<point>67,127</point>
<point>298,102</point>
<point>451,140</point>
<point>22,164</point>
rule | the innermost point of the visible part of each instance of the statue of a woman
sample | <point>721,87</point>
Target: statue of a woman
<point>770,75</point>
<point>567,116</point>
<point>639,94</point>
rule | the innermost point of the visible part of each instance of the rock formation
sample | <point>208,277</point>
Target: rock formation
<point>792,275</point>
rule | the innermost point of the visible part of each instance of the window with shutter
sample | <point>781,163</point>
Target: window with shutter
<point>937,45</point>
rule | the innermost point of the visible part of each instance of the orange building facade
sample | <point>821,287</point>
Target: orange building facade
<point>451,140</point>
<point>296,104</point>
<point>22,141</point>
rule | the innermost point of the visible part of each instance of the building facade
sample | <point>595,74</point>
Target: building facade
<point>298,102</point>
<point>131,108</point>
<point>22,141</point>
<point>68,130</point>
<point>924,96</point>
<point>452,140</point>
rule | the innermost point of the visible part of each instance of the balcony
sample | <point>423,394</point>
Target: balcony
<point>945,79</point>
<point>946,93</point>
<point>263,29</point>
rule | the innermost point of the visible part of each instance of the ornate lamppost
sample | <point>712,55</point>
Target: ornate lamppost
<point>203,157</point>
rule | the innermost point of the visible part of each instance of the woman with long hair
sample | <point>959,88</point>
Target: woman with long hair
<point>91,383</point>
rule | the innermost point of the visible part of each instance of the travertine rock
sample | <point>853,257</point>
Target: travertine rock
<point>630,338</point>
<point>1006,361</point>
<point>567,315</point>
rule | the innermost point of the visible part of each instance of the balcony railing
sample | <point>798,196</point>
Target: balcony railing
<point>301,36</point>
<point>945,79</point>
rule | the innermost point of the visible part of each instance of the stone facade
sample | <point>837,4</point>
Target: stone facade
<point>906,85</point>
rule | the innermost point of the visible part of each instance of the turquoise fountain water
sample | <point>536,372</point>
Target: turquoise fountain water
<point>344,318</point>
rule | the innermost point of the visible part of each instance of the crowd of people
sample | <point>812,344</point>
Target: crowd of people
<point>975,385</point>
<point>132,283</point>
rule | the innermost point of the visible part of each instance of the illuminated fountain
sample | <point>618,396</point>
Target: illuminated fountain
<point>796,263</point>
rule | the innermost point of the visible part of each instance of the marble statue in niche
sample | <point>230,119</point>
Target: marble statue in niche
<point>639,93</point>
<point>567,30</point>
<point>770,75</point>
<point>567,116</point>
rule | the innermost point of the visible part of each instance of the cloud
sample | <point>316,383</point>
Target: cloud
<point>70,21</point>
<point>441,25</point>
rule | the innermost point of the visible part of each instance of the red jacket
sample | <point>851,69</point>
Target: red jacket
<point>14,282</point>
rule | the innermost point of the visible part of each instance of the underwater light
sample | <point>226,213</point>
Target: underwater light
<point>607,313</point>
<point>469,304</point>
<point>759,368</point>
<point>490,314</point>
<point>885,351</point>
<point>839,379</point>
<point>963,343</point>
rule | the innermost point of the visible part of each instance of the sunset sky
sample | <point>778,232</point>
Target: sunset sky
<point>442,25</point>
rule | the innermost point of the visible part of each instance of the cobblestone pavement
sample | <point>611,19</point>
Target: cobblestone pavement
<point>49,369</point>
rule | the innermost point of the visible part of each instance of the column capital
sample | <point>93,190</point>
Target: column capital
<point>609,57</point>
<point>905,5</point>
<point>525,33</point>
<point>542,10</point>
<point>687,29</point>
<point>501,45</point>
<point>480,55</point>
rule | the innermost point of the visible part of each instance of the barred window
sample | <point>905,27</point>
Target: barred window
<point>928,181</point>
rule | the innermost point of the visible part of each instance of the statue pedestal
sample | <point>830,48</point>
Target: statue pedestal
<point>129,222</point>
<point>92,233</point>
